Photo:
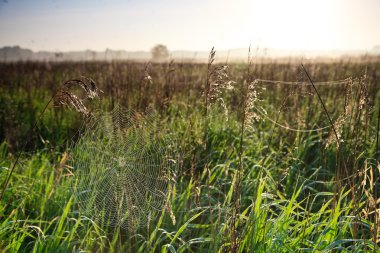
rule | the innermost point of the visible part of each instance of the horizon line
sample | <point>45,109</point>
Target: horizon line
<point>259,49</point>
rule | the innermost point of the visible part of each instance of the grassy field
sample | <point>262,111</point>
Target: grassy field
<point>274,157</point>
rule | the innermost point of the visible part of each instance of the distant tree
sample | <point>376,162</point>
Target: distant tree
<point>58,55</point>
<point>160,52</point>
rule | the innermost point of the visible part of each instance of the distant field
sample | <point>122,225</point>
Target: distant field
<point>273,157</point>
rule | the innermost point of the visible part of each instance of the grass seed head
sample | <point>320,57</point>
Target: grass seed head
<point>66,95</point>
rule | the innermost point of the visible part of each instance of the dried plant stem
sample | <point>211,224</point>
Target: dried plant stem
<point>377,217</point>
<point>206,136</point>
<point>377,131</point>
<point>207,91</point>
<point>327,114</point>
<point>234,236</point>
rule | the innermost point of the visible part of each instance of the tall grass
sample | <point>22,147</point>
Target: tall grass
<point>257,182</point>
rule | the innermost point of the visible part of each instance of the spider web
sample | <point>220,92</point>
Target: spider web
<point>122,165</point>
<point>294,106</point>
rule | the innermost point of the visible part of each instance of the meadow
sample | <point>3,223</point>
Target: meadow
<point>274,156</point>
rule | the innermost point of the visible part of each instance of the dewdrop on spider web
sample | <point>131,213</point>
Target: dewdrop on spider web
<point>123,166</point>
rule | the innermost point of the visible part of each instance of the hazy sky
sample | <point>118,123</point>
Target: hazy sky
<point>190,25</point>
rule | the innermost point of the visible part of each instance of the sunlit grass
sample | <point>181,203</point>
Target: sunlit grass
<point>292,198</point>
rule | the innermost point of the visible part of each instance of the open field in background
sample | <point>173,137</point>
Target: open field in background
<point>262,169</point>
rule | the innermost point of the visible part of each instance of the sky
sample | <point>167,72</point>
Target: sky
<point>135,25</point>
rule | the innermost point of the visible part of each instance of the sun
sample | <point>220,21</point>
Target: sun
<point>278,24</point>
<point>294,24</point>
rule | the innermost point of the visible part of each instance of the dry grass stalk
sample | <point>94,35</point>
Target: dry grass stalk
<point>341,120</point>
<point>217,82</point>
<point>145,83</point>
<point>249,101</point>
<point>66,96</point>
<point>206,135</point>
<point>220,82</point>
<point>371,211</point>
<point>167,87</point>
<point>338,125</point>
